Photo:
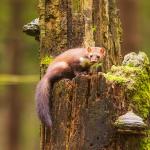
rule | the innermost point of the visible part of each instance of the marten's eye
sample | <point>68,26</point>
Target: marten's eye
<point>98,56</point>
<point>90,56</point>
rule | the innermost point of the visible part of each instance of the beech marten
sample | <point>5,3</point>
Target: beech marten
<point>65,65</point>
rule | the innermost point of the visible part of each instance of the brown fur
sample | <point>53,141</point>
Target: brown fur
<point>64,65</point>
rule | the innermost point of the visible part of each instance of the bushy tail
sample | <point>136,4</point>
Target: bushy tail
<point>42,96</point>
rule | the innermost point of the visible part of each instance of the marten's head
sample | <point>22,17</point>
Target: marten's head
<point>96,54</point>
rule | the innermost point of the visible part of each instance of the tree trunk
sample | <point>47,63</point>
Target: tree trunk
<point>83,114</point>
<point>84,109</point>
<point>129,18</point>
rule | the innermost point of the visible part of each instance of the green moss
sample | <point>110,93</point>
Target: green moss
<point>76,6</point>
<point>146,59</point>
<point>114,78</point>
<point>124,69</point>
<point>133,74</point>
<point>145,142</point>
<point>47,60</point>
<point>123,75</point>
<point>141,98</point>
<point>96,67</point>
<point>135,78</point>
<point>94,28</point>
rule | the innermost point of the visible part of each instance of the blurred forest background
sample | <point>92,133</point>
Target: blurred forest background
<point>19,66</point>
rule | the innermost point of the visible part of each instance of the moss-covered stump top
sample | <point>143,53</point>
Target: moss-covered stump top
<point>134,75</point>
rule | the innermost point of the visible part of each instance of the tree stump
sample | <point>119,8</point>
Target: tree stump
<point>84,109</point>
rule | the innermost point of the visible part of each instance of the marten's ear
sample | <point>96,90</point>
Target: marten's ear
<point>102,51</point>
<point>89,49</point>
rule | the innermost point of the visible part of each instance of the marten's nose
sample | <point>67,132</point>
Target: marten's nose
<point>94,60</point>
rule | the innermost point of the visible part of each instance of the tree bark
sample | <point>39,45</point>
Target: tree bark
<point>70,23</point>
<point>84,109</point>
<point>83,115</point>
